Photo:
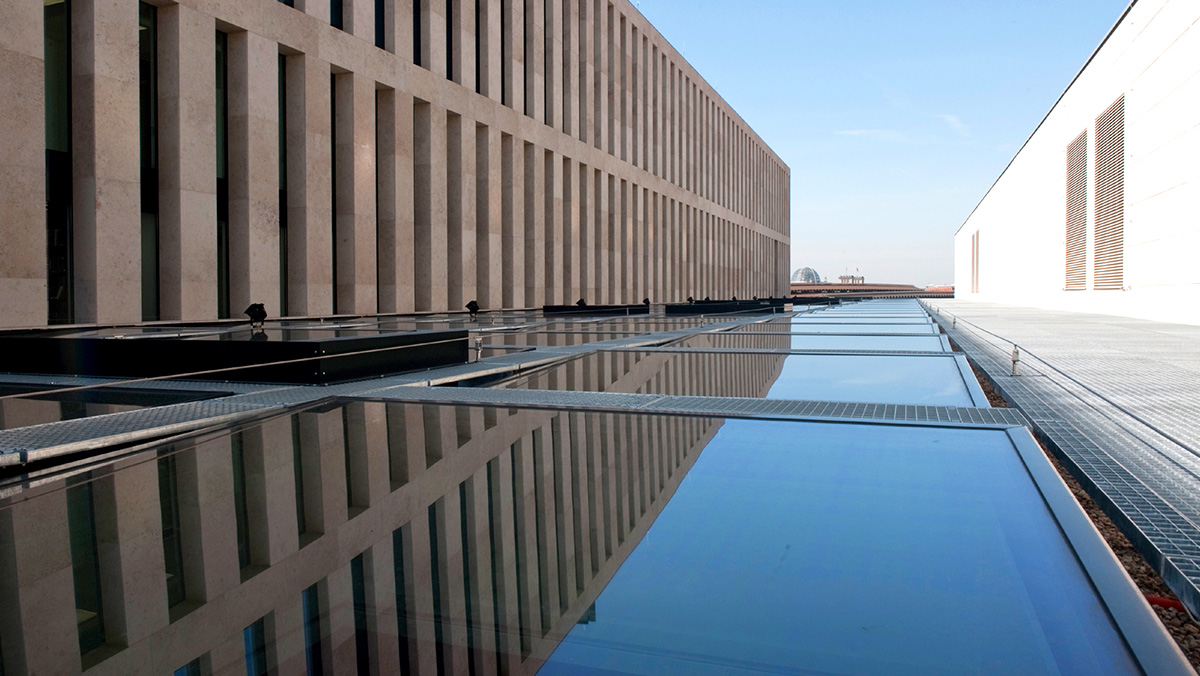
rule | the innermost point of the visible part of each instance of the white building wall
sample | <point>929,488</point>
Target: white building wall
<point>1152,57</point>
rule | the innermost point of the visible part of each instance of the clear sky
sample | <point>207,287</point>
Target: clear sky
<point>895,116</point>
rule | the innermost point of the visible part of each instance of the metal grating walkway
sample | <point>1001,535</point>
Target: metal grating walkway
<point>725,407</point>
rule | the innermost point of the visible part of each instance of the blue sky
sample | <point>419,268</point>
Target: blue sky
<point>894,116</point>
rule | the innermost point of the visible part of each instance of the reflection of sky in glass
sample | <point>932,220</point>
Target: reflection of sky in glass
<point>814,327</point>
<point>914,343</point>
<point>933,380</point>
<point>810,548</point>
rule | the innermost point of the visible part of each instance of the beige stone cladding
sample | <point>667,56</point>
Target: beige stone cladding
<point>522,153</point>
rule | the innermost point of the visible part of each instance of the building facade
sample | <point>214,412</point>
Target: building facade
<point>1098,210</point>
<point>180,160</point>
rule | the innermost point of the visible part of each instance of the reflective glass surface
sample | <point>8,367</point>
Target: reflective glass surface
<point>808,548</point>
<point>36,409</point>
<point>814,327</point>
<point>930,380</point>
<point>731,339</point>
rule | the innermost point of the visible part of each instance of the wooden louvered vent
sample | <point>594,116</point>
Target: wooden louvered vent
<point>1109,259</point>
<point>1077,213</point>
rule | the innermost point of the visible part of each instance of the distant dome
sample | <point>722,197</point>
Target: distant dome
<point>806,276</point>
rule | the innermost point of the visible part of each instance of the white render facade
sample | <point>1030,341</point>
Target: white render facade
<point>1100,209</point>
<point>367,156</point>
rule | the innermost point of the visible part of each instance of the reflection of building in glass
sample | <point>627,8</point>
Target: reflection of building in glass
<point>369,156</point>
<point>504,526</point>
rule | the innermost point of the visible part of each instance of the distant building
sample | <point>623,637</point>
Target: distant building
<point>806,276</point>
<point>851,279</point>
<point>1097,211</point>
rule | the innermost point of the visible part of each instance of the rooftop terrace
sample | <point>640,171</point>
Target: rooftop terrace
<point>824,491</point>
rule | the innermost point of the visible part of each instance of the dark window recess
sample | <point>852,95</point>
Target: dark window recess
<point>401,599</point>
<point>359,589</point>
<point>416,7</point>
<point>168,498</point>
<point>333,188</point>
<point>85,565</point>
<point>240,506</point>
<point>289,3</point>
<point>478,87</point>
<point>222,138</point>
<point>313,652</point>
<point>59,254</point>
<point>190,669</point>
<point>335,14</point>
<point>298,469</point>
<point>450,40</point>
<point>148,118</point>
<point>380,38</point>
<point>283,203</point>
<point>255,639</point>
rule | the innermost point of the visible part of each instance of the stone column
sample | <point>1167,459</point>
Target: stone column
<point>478,569</point>
<point>587,71</point>
<point>359,19</point>
<point>489,235</point>
<point>253,172</point>
<point>354,163</point>
<point>535,68</point>
<point>554,229</point>
<point>395,195</point>
<point>129,542</point>
<point>398,28</point>
<point>490,57</point>
<point>572,288</point>
<point>430,205</point>
<point>284,631</point>
<point>187,183</point>
<point>433,35</point>
<point>553,43</point>
<point>337,610</point>
<point>207,524</point>
<point>505,561</point>
<point>464,47</point>
<point>601,38</point>
<point>106,165</point>
<point>271,491</point>
<point>535,225</point>
<point>570,66</point>
<point>38,631</point>
<point>512,219</point>
<point>526,537</point>
<point>406,442</point>
<point>460,221</point>
<point>23,172</point>
<point>584,237</point>
<point>514,56</point>
<point>310,238</point>
<point>379,572</point>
